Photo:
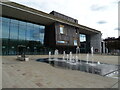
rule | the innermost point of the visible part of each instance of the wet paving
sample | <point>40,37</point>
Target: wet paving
<point>103,69</point>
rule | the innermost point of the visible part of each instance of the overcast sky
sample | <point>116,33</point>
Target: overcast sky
<point>98,14</point>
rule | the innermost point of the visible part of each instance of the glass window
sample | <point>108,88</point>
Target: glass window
<point>22,32</point>
<point>5,30</point>
<point>36,35</point>
<point>18,32</point>
<point>41,32</point>
<point>61,29</point>
<point>14,21</point>
<point>13,31</point>
<point>29,33</point>
<point>36,26</point>
<point>5,19</point>
<point>0,29</point>
<point>22,23</point>
<point>75,42</point>
<point>30,24</point>
<point>82,38</point>
<point>61,41</point>
<point>0,19</point>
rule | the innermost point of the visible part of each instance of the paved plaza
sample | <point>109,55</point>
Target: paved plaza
<point>33,74</point>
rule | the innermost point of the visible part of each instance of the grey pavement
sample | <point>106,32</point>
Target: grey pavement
<point>33,74</point>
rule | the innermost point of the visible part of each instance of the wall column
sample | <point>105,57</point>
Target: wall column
<point>95,42</point>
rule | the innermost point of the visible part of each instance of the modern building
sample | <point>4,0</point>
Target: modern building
<point>112,45</point>
<point>41,32</point>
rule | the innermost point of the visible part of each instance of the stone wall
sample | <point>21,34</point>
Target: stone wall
<point>69,35</point>
<point>95,42</point>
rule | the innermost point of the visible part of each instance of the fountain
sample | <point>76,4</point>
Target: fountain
<point>70,58</point>
<point>73,62</point>
<point>78,51</point>
<point>63,55</point>
<point>92,54</point>
<point>56,58</point>
<point>76,59</point>
<point>87,58</point>
<point>67,58</point>
<point>49,57</point>
<point>87,68</point>
<point>98,63</point>
<point>92,59</point>
<point>63,61</point>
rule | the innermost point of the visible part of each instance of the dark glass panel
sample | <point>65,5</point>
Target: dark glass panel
<point>13,43</point>
<point>5,46</point>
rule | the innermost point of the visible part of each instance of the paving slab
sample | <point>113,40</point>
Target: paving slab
<point>33,74</point>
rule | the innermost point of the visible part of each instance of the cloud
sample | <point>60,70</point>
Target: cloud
<point>98,8</point>
<point>91,13</point>
<point>101,22</point>
<point>115,1</point>
<point>117,29</point>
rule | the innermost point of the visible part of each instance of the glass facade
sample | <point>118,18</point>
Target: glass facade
<point>83,47</point>
<point>82,38</point>
<point>16,32</point>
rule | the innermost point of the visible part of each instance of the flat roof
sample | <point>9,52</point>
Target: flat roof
<point>22,12</point>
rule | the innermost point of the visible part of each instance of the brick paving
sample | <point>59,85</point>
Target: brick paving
<point>33,74</point>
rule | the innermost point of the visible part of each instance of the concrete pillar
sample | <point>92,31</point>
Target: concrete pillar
<point>106,50</point>
<point>103,47</point>
<point>88,43</point>
<point>95,42</point>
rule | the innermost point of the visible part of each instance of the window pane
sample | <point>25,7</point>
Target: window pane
<point>29,25</point>
<point>61,42</point>
<point>5,19</point>
<point>75,42</point>
<point>13,31</point>
<point>5,30</point>
<point>41,32</point>
<point>36,35</point>
<point>82,38</point>
<point>30,29</point>
<point>18,32</point>
<point>0,19</point>
<point>22,32</point>
<point>0,29</point>
<point>61,30</point>
<point>14,21</point>
<point>22,23</point>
